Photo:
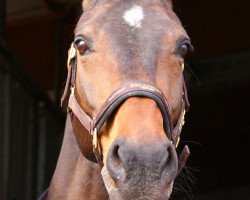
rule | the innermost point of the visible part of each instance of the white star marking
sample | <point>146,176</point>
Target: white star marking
<point>134,16</point>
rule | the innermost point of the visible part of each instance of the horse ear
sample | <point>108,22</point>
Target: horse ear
<point>85,4</point>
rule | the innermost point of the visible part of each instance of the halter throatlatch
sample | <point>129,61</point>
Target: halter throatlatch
<point>134,89</point>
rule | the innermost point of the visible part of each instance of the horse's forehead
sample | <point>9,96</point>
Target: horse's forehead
<point>131,13</point>
<point>133,31</point>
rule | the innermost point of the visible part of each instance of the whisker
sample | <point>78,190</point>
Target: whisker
<point>192,72</point>
<point>185,183</point>
<point>191,142</point>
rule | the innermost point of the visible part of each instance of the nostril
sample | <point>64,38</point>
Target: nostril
<point>169,157</point>
<point>172,161</point>
<point>114,163</point>
<point>116,156</point>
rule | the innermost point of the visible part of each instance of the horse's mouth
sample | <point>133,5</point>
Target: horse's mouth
<point>142,191</point>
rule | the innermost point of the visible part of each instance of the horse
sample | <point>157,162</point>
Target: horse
<point>126,100</point>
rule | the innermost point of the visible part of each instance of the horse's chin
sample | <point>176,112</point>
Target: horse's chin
<point>153,190</point>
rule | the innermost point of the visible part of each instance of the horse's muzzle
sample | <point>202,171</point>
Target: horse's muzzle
<point>144,169</point>
<point>125,160</point>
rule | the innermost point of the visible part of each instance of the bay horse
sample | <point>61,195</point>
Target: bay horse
<point>126,100</point>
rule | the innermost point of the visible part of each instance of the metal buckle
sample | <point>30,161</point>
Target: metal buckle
<point>182,122</point>
<point>72,91</point>
<point>97,147</point>
<point>95,143</point>
<point>182,66</point>
<point>177,143</point>
<point>71,55</point>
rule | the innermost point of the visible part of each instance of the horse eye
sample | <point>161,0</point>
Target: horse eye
<point>184,49</point>
<point>81,46</point>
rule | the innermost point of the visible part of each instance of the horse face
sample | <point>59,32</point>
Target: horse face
<point>126,41</point>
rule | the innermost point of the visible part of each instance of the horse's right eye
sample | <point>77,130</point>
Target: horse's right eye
<point>81,46</point>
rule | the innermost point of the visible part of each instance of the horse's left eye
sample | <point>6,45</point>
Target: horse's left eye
<point>185,49</point>
<point>81,46</point>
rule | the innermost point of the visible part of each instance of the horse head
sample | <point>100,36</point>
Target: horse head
<point>128,95</point>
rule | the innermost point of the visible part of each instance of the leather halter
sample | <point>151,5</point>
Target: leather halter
<point>134,89</point>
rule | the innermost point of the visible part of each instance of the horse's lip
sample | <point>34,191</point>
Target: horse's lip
<point>170,176</point>
<point>114,191</point>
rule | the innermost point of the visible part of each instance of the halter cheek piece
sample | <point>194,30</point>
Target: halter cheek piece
<point>133,89</point>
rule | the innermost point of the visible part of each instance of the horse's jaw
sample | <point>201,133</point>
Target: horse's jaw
<point>154,191</point>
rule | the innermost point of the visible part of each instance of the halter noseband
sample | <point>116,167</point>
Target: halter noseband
<point>133,89</point>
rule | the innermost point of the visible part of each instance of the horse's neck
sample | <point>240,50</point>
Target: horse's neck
<point>75,177</point>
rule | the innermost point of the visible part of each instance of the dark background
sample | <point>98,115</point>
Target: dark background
<point>35,36</point>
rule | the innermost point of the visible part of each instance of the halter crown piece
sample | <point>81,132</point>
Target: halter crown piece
<point>135,89</point>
